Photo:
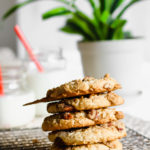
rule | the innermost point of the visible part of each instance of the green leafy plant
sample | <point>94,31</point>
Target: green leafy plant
<point>106,22</point>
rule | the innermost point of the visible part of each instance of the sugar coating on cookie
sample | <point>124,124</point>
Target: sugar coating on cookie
<point>91,135</point>
<point>88,102</point>
<point>114,145</point>
<point>80,119</point>
<point>87,85</point>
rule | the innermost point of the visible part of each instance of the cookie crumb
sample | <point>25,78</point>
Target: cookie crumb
<point>34,141</point>
<point>68,116</point>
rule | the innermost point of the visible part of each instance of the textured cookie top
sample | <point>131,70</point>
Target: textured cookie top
<point>88,102</point>
<point>91,135</point>
<point>88,85</point>
<point>114,145</point>
<point>80,119</point>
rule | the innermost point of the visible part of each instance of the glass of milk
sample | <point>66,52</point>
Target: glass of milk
<point>54,66</point>
<point>12,111</point>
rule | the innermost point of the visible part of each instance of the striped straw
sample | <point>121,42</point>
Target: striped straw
<point>1,83</point>
<point>28,48</point>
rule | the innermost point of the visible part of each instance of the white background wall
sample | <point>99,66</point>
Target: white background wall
<point>139,23</point>
<point>7,36</point>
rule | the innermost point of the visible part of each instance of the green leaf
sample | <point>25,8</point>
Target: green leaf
<point>72,25</point>
<point>84,17</point>
<point>118,23</point>
<point>59,11</point>
<point>116,29</point>
<point>106,5</point>
<point>126,7</point>
<point>115,5</point>
<point>71,29</point>
<point>15,8</point>
<point>91,24</point>
<point>92,2</point>
<point>84,26</point>
<point>105,16</point>
<point>68,3</point>
<point>96,17</point>
<point>118,34</point>
<point>96,8</point>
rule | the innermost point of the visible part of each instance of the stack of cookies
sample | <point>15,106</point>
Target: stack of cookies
<point>81,119</point>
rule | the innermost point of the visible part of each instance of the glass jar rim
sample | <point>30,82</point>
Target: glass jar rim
<point>13,75</point>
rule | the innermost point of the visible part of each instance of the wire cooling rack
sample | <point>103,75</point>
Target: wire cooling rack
<point>36,139</point>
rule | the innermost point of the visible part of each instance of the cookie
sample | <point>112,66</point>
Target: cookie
<point>88,85</point>
<point>114,145</point>
<point>88,102</point>
<point>69,120</point>
<point>91,135</point>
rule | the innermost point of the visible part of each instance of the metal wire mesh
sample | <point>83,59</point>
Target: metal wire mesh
<point>36,139</point>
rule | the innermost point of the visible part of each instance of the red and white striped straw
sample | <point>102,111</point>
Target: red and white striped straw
<point>28,48</point>
<point>1,83</point>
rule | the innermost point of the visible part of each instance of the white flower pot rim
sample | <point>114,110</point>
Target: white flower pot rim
<point>112,46</point>
<point>113,41</point>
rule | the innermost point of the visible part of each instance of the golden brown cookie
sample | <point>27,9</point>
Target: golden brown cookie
<point>91,135</point>
<point>88,85</point>
<point>69,120</point>
<point>88,102</point>
<point>114,145</point>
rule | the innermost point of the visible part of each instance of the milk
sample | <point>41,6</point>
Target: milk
<point>40,83</point>
<point>16,93</point>
<point>12,111</point>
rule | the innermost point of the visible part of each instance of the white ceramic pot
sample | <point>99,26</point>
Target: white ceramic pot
<point>121,58</point>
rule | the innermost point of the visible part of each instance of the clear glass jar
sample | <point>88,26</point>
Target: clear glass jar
<point>54,65</point>
<point>12,111</point>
